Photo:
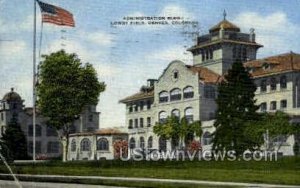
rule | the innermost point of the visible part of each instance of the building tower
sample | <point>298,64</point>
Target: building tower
<point>224,45</point>
<point>11,106</point>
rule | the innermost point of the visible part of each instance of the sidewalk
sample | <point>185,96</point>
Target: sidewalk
<point>198,182</point>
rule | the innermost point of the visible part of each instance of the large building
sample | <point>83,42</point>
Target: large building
<point>191,90</point>
<point>47,142</point>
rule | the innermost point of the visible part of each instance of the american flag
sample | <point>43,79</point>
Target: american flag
<point>56,15</point>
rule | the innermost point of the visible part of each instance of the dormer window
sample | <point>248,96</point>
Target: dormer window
<point>266,66</point>
<point>175,75</point>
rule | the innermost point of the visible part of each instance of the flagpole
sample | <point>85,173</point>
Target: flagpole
<point>34,83</point>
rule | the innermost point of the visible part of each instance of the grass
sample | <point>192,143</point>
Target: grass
<point>283,171</point>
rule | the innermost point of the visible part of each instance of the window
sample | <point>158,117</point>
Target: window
<point>263,86</point>
<point>273,105</point>
<point>175,75</point>
<point>102,144</point>
<point>132,143</point>
<point>53,147</point>
<point>188,92</point>
<point>142,142</point>
<point>38,130</point>
<point>207,138</point>
<point>148,105</point>
<point>130,109</point>
<point>210,54</point>
<point>266,66</point>
<point>136,108</point>
<point>162,116</point>
<point>73,145</point>
<point>91,118</point>
<point>38,148</point>
<point>163,97</point>
<point>141,122</point>
<point>142,105</point>
<point>149,121</point>
<point>176,113</point>
<point>14,106</point>
<point>2,117</point>
<point>188,113</point>
<point>130,124</point>
<point>283,104</point>
<point>263,107</point>
<point>51,131</point>
<point>175,95</point>
<point>273,84</point>
<point>85,145</point>
<point>73,129</point>
<point>136,123</point>
<point>150,142</point>
<point>283,82</point>
<point>209,92</point>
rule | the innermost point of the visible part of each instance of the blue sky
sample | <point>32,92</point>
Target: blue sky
<point>125,57</point>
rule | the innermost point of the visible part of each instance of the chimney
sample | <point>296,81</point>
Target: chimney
<point>151,82</point>
<point>252,35</point>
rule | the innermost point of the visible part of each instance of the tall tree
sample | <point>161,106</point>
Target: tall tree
<point>14,141</point>
<point>66,87</point>
<point>236,105</point>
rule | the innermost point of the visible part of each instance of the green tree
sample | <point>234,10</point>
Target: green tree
<point>65,88</point>
<point>272,130</point>
<point>236,106</point>
<point>177,130</point>
<point>14,142</point>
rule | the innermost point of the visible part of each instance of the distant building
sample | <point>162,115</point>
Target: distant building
<point>191,90</point>
<point>95,145</point>
<point>47,141</point>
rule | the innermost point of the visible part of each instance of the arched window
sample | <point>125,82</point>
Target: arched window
<point>207,138</point>
<point>163,96</point>
<point>162,116</point>
<point>273,83</point>
<point>73,145</point>
<point>102,144</point>
<point>283,82</point>
<point>297,93</point>
<point>263,86</point>
<point>176,113</point>
<point>85,145</point>
<point>142,142</point>
<point>132,143</point>
<point>188,92</point>
<point>175,95</point>
<point>162,144</point>
<point>150,142</point>
<point>188,113</point>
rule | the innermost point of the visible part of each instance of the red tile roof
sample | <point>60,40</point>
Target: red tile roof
<point>277,64</point>
<point>205,75</point>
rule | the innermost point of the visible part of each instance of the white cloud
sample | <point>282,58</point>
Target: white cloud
<point>175,11</point>
<point>169,54</point>
<point>100,38</point>
<point>275,31</point>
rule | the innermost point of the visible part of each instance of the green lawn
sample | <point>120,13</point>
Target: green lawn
<point>284,171</point>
